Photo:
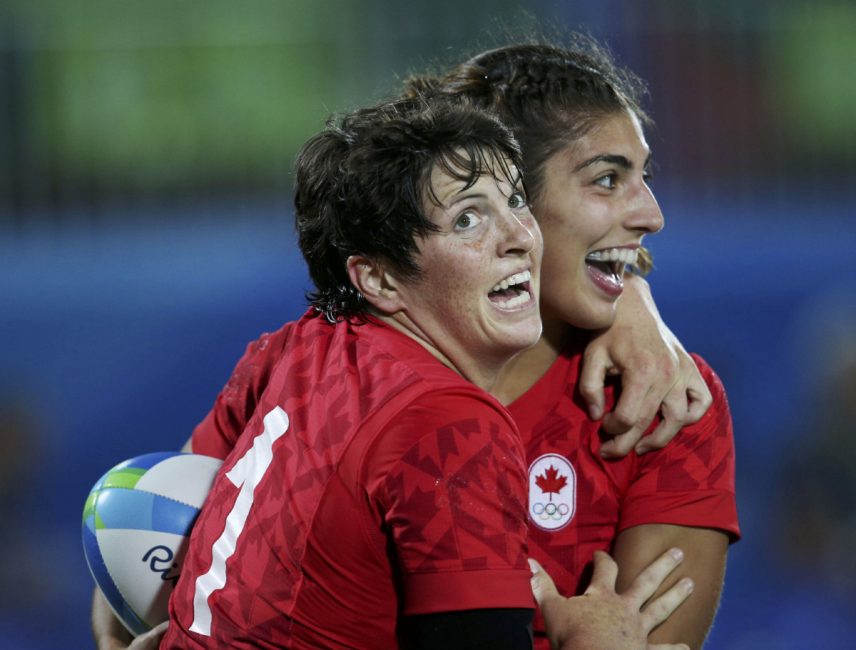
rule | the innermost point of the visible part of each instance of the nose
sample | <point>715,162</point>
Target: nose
<point>645,214</point>
<point>519,233</point>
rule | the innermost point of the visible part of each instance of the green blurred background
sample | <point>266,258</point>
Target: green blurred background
<point>145,236</point>
<point>107,99</point>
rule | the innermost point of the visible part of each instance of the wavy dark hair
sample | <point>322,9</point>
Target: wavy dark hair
<point>548,95</point>
<point>362,183</point>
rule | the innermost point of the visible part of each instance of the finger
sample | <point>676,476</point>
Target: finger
<point>673,418</point>
<point>633,437</point>
<point>633,403</point>
<point>596,365</point>
<point>662,607</point>
<point>700,400</point>
<point>667,646</point>
<point>543,587</point>
<point>650,579</point>
<point>151,639</point>
<point>159,629</point>
<point>620,445</point>
<point>659,437</point>
<point>604,574</point>
<point>697,391</point>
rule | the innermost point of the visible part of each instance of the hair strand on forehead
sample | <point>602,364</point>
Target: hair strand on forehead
<point>469,163</point>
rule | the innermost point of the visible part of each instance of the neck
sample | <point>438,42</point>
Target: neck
<point>525,369</point>
<point>481,372</point>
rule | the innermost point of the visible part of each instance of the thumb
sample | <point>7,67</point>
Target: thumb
<point>543,587</point>
<point>151,639</point>
<point>604,574</point>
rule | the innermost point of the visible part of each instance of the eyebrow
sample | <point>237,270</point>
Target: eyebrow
<point>613,159</point>
<point>464,195</point>
<point>460,197</point>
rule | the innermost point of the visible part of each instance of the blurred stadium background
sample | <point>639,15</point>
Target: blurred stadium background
<point>145,237</point>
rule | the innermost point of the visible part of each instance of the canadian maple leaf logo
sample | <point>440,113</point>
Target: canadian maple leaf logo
<point>550,482</point>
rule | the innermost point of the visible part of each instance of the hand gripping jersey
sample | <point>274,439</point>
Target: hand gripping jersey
<point>368,482</point>
<point>579,502</point>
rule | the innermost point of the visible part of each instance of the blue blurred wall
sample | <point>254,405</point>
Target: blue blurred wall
<point>119,340</point>
<point>138,254</point>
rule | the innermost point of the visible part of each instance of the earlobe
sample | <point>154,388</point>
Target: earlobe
<point>375,283</point>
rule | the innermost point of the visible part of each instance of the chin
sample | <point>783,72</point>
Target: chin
<point>594,319</point>
<point>525,343</point>
<point>520,342</point>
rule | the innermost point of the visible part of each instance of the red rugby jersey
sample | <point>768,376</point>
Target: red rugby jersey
<point>369,481</point>
<point>578,501</point>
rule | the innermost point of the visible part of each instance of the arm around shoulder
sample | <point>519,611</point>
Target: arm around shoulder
<point>657,375</point>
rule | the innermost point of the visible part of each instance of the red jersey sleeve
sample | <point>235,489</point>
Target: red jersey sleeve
<point>690,482</point>
<point>219,430</point>
<point>450,487</point>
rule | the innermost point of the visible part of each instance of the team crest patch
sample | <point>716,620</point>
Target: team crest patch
<point>552,492</point>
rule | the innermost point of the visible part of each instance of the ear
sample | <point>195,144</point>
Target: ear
<point>377,285</point>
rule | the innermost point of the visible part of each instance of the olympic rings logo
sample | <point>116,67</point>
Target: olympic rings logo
<point>545,511</point>
<point>552,492</point>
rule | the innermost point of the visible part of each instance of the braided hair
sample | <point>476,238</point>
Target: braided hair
<point>549,96</point>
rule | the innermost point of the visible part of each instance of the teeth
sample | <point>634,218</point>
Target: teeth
<point>518,300</point>
<point>623,255</point>
<point>517,278</point>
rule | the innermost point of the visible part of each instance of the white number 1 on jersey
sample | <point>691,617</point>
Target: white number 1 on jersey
<point>245,475</point>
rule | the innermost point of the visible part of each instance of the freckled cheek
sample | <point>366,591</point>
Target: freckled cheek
<point>462,298</point>
<point>439,283</point>
<point>456,287</point>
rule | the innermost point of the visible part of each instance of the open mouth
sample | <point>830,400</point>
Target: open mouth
<point>513,291</point>
<point>612,261</point>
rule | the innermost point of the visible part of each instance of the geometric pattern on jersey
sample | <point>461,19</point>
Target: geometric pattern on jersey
<point>690,482</point>
<point>481,535</point>
<point>397,487</point>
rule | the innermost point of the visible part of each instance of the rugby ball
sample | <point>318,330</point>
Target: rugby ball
<point>136,523</point>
